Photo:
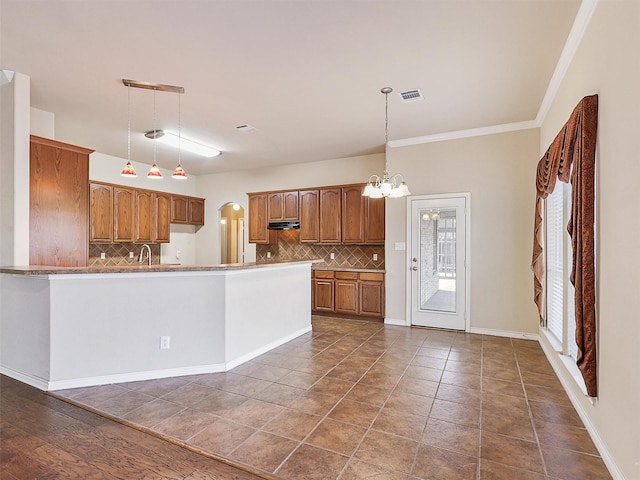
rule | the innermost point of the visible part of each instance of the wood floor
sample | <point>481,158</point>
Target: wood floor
<point>42,437</point>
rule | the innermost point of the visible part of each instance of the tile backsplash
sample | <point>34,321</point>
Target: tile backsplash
<point>117,254</point>
<point>288,247</point>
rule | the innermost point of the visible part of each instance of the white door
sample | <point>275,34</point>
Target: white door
<point>438,251</point>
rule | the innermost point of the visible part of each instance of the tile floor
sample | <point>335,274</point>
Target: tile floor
<point>354,400</point>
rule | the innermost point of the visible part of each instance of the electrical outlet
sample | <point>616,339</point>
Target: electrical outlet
<point>130,254</point>
<point>165,342</point>
<point>268,254</point>
<point>375,257</point>
<point>103,255</point>
<point>178,255</point>
<point>333,256</point>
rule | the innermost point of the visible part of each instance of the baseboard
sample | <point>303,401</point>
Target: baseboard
<point>37,382</point>
<point>133,377</point>
<point>568,383</point>
<point>504,333</point>
<point>395,321</point>
<point>264,349</point>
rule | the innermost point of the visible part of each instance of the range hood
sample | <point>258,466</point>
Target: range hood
<point>288,225</point>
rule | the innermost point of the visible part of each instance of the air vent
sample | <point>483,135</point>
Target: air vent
<point>411,95</point>
<point>246,128</point>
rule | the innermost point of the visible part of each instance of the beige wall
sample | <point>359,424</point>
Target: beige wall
<point>498,171</point>
<point>608,63</point>
<point>220,189</point>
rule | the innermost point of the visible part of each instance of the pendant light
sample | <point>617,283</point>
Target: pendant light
<point>392,186</point>
<point>128,170</point>
<point>154,171</point>
<point>178,172</point>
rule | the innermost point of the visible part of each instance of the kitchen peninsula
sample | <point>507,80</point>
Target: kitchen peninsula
<point>65,327</point>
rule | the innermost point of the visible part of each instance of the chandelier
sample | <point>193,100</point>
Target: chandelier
<point>392,186</point>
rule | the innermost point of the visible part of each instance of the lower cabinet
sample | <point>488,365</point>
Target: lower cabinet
<point>348,293</point>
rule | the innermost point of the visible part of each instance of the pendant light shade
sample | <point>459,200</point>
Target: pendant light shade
<point>179,173</point>
<point>128,170</point>
<point>392,186</point>
<point>154,172</point>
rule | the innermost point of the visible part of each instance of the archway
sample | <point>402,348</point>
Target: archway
<point>231,233</point>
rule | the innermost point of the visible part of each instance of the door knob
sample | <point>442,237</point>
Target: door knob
<point>414,268</point>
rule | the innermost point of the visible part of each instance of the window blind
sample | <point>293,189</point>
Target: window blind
<point>554,259</point>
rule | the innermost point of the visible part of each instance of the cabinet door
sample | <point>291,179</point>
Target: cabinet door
<point>179,209</point>
<point>346,292</point>
<point>123,216</point>
<point>162,214</point>
<point>323,295</point>
<point>371,299</point>
<point>196,211</point>
<point>144,221</point>
<point>258,232</point>
<point>330,224</point>
<point>353,214</point>
<point>100,213</point>
<point>374,221</point>
<point>275,210</point>
<point>309,219</point>
<point>291,211</point>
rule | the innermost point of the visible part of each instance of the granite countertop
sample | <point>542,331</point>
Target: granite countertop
<point>46,270</point>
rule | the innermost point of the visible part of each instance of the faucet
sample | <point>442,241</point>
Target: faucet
<point>140,259</point>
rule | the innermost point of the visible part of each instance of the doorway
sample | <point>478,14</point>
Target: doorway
<point>231,233</point>
<point>438,276</point>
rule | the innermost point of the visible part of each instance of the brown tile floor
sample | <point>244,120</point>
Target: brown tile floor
<point>354,400</point>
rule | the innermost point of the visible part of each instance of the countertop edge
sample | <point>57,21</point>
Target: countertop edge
<point>48,270</point>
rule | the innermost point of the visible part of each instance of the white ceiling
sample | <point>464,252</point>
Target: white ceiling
<point>306,73</point>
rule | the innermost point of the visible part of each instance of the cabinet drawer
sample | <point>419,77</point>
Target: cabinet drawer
<point>372,277</point>
<point>347,275</point>
<point>323,273</point>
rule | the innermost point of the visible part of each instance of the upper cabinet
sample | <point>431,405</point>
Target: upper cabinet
<point>187,210</point>
<point>119,214</point>
<point>258,208</point>
<point>309,216</point>
<point>330,224</point>
<point>58,203</point>
<point>331,215</point>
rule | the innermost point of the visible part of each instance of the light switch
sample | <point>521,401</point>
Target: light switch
<point>103,255</point>
<point>333,256</point>
<point>400,246</point>
<point>375,257</point>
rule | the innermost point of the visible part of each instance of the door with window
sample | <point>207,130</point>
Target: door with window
<point>438,254</point>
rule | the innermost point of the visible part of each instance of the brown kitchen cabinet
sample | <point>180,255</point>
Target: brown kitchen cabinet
<point>161,217</point>
<point>309,216</point>
<point>358,294</point>
<point>330,215</point>
<point>58,203</point>
<point>346,292</point>
<point>323,291</point>
<point>100,213</point>
<point>374,220</point>
<point>283,206</point>
<point>123,214</point>
<point>187,210</point>
<point>258,219</point>
<point>371,294</point>
<point>353,214</point>
<point>144,216</point>
<point>196,211</point>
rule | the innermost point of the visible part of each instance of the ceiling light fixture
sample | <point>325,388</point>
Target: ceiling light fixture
<point>178,141</point>
<point>128,170</point>
<point>178,172</point>
<point>387,186</point>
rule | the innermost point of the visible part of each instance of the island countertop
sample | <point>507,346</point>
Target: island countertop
<point>48,270</point>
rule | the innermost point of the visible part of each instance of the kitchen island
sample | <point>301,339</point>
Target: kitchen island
<point>70,327</point>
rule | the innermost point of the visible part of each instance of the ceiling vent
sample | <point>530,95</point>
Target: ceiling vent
<point>246,128</point>
<point>411,95</point>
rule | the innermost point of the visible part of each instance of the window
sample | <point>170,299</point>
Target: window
<point>560,308</point>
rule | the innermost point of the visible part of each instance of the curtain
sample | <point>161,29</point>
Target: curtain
<point>571,157</point>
